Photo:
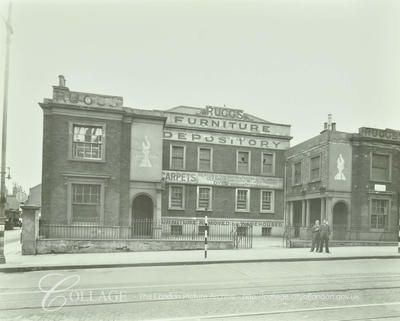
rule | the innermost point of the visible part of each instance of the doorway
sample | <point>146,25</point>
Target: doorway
<point>340,216</point>
<point>142,216</point>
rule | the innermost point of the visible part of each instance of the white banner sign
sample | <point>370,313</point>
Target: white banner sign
<point>196,178</point>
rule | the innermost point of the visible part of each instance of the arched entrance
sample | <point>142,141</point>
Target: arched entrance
<point>340,216</point>
<point>142,216</point>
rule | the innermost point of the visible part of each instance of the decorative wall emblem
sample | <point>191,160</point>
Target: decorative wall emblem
<point>145,162</point>
<point>340,167</point>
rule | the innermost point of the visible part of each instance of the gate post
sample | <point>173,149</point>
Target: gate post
<point>30,229</point>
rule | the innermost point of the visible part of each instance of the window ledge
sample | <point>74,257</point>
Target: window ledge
<point>176,209</point>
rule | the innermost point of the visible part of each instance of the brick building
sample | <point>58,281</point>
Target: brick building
<point>351,179</point>
<point>108,164</point>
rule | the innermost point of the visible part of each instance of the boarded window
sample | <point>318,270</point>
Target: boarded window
<point>380,167</point>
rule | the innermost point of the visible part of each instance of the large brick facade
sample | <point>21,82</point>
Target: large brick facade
<point>127,173</point>
<point>358,205</point>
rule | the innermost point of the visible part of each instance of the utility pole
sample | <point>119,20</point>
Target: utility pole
<point>3,196</point>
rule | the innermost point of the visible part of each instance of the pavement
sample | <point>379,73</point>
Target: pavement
<point>264,250</point>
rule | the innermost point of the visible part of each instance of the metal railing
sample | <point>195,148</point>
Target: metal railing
<point>343,233</point>
<point>167,229</point>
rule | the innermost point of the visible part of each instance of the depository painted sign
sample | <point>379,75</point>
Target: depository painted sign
<point>227,180</point>
<point>221,139</point>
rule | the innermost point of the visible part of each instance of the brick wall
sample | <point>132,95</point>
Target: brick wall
<point>57,164</point>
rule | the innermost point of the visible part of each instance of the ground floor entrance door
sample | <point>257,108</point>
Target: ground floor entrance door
<point>339,223</point>
<point>142,216</point>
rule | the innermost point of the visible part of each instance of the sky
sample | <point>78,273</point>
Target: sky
<point>287,61</point>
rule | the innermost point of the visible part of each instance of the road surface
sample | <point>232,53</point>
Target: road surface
<point>323,290</point>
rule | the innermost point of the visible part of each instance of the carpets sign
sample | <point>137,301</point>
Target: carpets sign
<point>227,180</point>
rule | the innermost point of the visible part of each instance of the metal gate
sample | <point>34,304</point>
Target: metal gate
<point>242,236</point>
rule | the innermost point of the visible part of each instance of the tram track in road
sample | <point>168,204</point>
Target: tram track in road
<point>171,296</point>
<point>290,311</point>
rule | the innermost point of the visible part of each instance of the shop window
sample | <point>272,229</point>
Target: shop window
<point>380,167</point>
<point>177,160</point>
<point>379,213</point>
<point>205,159</point>
<point>86,202</point>
<point>242,200</point>
<point>243,162</point>
<point>176,197</point>
<point>88,142</point>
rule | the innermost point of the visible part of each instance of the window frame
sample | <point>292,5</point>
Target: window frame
<point>170,207</point>
<point>85,181</point>
<point>198,208</point>
<point>389,155</point>
<point>273,163</point>
<point>389,203</point>
<point>272,210</point>
<point>237,161</point>
<point>247,200</point>
<point>294,183</point>
<point>319,168</point>
<point>71,126</point>
<point>211,159</point>
<point>171,146</point>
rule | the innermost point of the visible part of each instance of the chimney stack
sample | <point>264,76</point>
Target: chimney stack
<point>61,81</point>
<point>329,121</point>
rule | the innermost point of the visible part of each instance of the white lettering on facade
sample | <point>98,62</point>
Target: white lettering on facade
<point>227,125</point>
<point>222,179</point>
<point>182,135</point>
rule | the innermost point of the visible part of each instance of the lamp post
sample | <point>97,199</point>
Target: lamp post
<point>4,137</point>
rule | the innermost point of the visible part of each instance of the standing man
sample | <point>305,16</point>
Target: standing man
<point>315,237</point>
<point>325,232</point>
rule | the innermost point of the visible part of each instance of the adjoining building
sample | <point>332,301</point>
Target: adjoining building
<point>107,164</point>
<point>350,179</point>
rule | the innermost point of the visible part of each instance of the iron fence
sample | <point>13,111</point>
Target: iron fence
<point>167,229</point>
<point>344,233</point>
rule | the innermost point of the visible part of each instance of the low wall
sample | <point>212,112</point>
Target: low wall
<point>46,246</point>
